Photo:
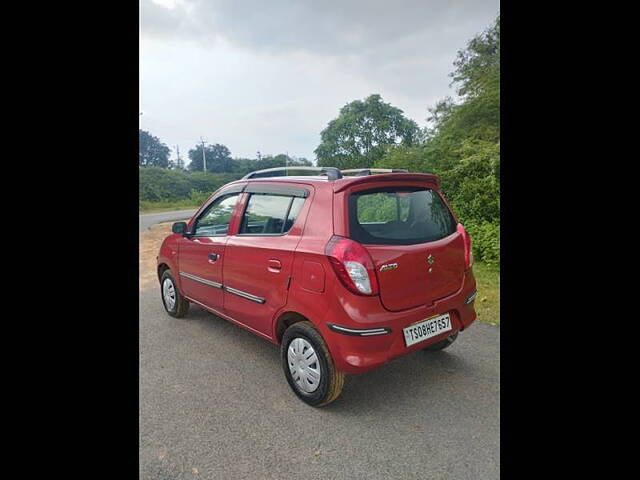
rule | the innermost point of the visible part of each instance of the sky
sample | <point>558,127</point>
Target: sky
<point>268,75</point>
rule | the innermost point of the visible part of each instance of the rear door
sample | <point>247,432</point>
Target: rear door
<point>412,238</point>
<point>258,260</point>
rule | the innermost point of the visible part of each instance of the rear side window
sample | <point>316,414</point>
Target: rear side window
<point>399,216</point>
<point>270,214</point>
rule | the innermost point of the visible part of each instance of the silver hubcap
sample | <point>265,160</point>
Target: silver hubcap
<point>169,294</point>
<point>304,365</point>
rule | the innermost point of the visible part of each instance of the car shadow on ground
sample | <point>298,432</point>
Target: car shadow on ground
<point>421,376</point>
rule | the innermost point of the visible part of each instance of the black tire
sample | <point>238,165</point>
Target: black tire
<point>331,381</point>
<point>441,345</point>
<point>181,306</point>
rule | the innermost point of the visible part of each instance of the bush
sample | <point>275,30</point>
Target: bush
<point>473,184</point>
<point>198,198</point>
<point>159,184</point>
<point>208,182</point>
<point>485,241</point>
<point>162,185</point>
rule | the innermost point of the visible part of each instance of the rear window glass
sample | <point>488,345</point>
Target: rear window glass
<point>399,216</point>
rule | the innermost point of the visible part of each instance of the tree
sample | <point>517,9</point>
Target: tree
<point>362,132</point>
<point>473,121</point>
<point>152,152</point>
<point>477,80</point>
<point>246,165</point>
<point>462,143</point>
<point>218,158</point>
<point>478,65</point>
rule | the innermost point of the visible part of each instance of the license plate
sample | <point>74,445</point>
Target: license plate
<point>421,331</point>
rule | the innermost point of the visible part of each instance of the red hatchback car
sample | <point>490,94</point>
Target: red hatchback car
<point>346,270</point>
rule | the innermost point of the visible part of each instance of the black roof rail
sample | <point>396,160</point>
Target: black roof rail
<point>332,172</point>
<point>361,172</point>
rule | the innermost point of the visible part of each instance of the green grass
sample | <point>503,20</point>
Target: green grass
<point>155,207</point>
<point>488,300</point>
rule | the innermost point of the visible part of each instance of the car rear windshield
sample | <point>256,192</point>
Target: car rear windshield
<point>399,216</point>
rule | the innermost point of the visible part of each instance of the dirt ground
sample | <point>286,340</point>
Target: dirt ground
<point>150,241</point>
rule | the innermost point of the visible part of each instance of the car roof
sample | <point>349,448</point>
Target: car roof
<point>346,181</point>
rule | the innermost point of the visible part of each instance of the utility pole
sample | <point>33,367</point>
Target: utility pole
<point>204,158</point>
<point>179,162</point>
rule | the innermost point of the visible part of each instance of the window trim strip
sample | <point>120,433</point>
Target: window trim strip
<point>276,190</point>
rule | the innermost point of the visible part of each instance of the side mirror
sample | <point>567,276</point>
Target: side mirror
<point>179,227</point>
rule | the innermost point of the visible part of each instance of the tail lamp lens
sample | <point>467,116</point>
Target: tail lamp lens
<point>468,254</point>
<point>353,265</point>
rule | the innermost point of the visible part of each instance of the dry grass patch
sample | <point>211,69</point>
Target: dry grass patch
<point>150,241</point>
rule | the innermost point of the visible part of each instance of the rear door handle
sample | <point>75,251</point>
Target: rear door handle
<point>213,257</point>
<point>274,266</point>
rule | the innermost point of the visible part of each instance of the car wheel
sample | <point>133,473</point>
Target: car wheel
<point>308,365</point>
<point>441,345</point>
<point>174,303</point>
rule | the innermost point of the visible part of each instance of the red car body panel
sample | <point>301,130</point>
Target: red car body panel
<point>293,275</point>
<point>194,258</point>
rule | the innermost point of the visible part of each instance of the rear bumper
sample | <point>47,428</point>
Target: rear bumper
<point>361,345</point>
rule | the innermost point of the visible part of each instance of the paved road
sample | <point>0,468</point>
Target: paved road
<point>152,218</point>
<point>214,404</point>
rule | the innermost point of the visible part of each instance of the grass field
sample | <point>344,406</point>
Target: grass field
<point>488,299</point>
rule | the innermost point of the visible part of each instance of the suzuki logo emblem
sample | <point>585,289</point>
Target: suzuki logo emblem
<point>431,259</point>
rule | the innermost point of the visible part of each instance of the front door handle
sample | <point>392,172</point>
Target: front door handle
<point>274,266</point>
<point>213,257</point>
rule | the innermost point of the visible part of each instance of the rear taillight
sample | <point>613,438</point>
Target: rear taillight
<point>353,265</point>
<point>468,254</point>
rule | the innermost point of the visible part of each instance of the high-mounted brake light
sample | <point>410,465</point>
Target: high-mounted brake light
<point>468,253</point>
<point>353,265</point>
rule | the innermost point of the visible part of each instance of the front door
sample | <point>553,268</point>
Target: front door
<point>202,253</point>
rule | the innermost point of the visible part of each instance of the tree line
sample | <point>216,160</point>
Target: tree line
<point>154,153</point>
<point>460,143</point>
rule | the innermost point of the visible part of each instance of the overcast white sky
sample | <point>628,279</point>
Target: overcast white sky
<point>269,75</point>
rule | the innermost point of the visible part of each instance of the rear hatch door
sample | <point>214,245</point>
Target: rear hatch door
<point>411,236</point>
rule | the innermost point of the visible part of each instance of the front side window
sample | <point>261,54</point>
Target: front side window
<point>215,220</point>
<point>399,216</point>
<point>270,214</point>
